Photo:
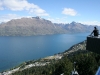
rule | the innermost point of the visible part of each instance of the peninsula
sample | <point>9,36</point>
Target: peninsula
<point>75,49</point>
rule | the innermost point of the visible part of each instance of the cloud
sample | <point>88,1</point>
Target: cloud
<point>1,8</point>
<point>8,17</point>
<point>38,11</point>
<point>90,22</point>
<point>64,20</point>
<point>58,20</point>
<point>20,5</point>
<point>69,11</point>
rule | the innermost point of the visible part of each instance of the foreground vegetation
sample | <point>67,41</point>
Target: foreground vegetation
<point>87,64</point>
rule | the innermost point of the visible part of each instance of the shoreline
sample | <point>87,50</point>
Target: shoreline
<point>46,60</point>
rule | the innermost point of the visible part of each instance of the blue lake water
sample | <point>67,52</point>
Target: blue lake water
<point>15,50</point>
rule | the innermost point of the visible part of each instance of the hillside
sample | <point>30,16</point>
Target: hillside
<point>77,27</point>
<point>87,63</point>
<point>39,26</point>
<point>29,26</point>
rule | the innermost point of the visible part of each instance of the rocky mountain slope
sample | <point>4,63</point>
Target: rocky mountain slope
<point>77,27</point>
<point>29,26</point>
<point>39,26</point>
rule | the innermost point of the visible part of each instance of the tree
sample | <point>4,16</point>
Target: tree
<point>86,64</point>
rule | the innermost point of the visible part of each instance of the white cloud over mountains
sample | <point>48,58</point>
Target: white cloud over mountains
<point>69,11</point>
<point>90,22</point>
<point>24,5</point>
<point>20,5</point>
<point>8,17</point>
<point>1,8</point>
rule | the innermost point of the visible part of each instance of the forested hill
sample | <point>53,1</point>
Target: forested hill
<point>40,26</point>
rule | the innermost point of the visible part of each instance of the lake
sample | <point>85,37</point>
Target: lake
<point>15,50</point>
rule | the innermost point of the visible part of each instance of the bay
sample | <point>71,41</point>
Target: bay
<point>15,50</point>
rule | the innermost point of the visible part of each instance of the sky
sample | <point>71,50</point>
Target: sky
<point>57,11</point>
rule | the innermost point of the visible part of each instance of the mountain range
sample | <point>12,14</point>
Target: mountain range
<point>39,26</point>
